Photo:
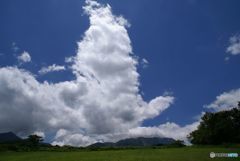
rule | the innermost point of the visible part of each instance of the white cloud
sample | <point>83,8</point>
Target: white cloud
<point>51,68</point>
<point>28,106</point>
<point>39,133</point>
<point>103,102</point>
<point>225,101</point>
<point>64,137</point>
<point>234,47</point>
<point>168,129</point>
<point>24,57</point>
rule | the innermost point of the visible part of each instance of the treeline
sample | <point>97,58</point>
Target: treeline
<point>30,145</point>
<point>33,142</point>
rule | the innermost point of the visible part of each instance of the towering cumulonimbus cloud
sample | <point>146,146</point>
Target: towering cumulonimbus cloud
<point>102,103</point>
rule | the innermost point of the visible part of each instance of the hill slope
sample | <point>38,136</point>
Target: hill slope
<point>9,137</point>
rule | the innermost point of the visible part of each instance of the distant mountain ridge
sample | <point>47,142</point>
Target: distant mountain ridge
<point>129,142</point>
<point>135,142</point>
<point>9,137</point>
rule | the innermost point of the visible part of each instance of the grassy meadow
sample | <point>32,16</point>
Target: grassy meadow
<point>165,154</point>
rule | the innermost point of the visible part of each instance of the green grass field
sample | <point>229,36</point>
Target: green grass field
<point>168,154</point>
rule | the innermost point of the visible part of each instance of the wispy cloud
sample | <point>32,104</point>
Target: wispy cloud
<point>15,48</point>
<point>144,63</point>
<point>69,59</point>
<point>51,68</point>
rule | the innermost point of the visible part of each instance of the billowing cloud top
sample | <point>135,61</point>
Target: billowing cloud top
<point>103,102</point>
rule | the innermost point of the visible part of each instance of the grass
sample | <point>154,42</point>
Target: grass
<point>166,154</point>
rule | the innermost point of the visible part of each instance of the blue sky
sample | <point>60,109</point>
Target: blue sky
<point>184,42</point>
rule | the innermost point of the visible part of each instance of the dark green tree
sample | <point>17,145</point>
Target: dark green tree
<point>34,140</point>
<point>218,128</point>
